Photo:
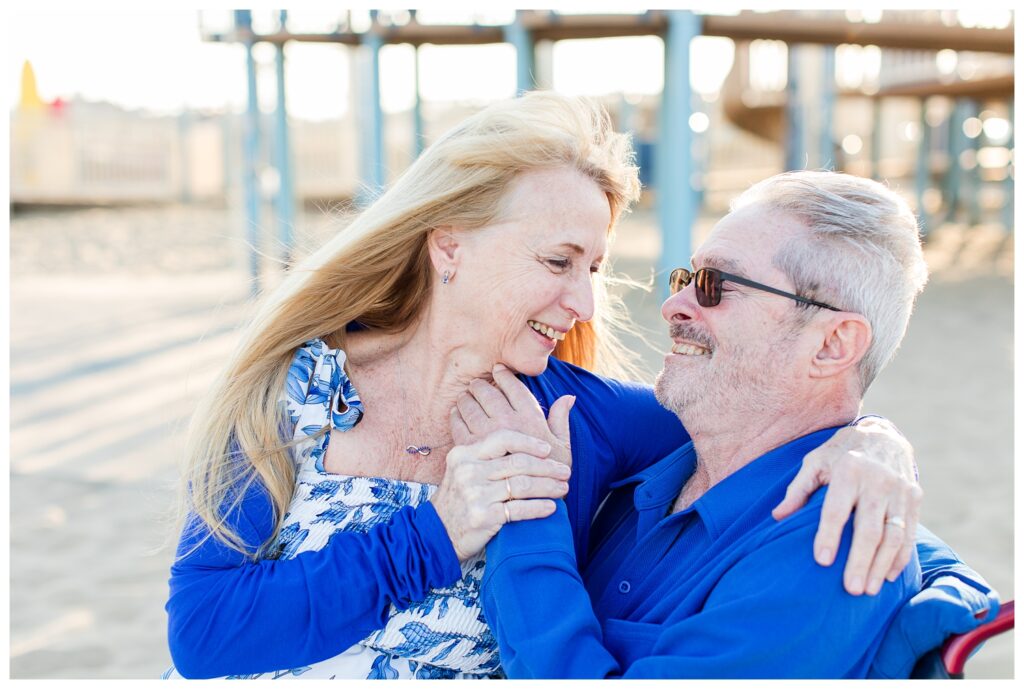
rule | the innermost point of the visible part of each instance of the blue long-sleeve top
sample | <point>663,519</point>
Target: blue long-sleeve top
<point>717,590</point>
<point>228,614</point>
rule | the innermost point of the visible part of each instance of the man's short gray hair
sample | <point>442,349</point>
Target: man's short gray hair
<point>862,252</point>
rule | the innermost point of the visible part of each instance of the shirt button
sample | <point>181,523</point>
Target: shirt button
<point>624,587</point>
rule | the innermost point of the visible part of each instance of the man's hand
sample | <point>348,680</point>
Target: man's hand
<point>484,409</point>
<point>869,467</point>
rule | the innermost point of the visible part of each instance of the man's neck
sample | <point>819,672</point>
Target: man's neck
<point>728,444</point>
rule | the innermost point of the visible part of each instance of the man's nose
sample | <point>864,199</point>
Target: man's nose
<point>681,306</point>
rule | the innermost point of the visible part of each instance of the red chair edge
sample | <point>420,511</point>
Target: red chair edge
<point>958,649</point>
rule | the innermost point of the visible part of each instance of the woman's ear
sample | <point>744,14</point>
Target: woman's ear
<point>847,337</point>
<point>444,246</point>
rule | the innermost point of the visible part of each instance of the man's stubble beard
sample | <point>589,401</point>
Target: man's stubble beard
<point>744,388</point>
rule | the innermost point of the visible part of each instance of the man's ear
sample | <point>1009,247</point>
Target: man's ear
<point>444,244</point>
<point>846,338</point>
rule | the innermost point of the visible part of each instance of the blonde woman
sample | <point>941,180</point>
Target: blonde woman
<point>328,529</point>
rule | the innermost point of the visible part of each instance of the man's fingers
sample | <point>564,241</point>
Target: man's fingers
<point>517,394</point>
<point>472,413</point>
<point>835,512</point>
<point>558,417</point>
<point>807,480</point>
<point>489,397</point>
<point>868,523</point>
<point>460,431</point>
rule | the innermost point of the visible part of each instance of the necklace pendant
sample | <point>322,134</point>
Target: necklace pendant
<point>413,450</point>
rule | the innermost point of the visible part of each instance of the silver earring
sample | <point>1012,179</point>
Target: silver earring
<point>444,280</point>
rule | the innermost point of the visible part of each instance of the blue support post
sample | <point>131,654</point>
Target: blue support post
<point>795,158</point>
<point>923,178</point>
<point>250,180</point>
<point>519,36</point>
<point>372,130</point>
<point>973,176</point>
<point>828,106</point>
<point>1008,182</point>
<point>417,110</point>
<point>673,165</point>
<point>956,146</point>
<point>285,200</point>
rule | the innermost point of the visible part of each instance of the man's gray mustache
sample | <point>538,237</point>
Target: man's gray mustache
<point>685,331</point>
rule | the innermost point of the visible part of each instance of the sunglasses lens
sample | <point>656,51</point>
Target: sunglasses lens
<point>678,279</point>
<point>709,287</point>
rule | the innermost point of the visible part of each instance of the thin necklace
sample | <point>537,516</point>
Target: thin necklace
<point>422,450</point>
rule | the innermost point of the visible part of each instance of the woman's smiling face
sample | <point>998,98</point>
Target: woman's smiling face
<point>524,280</point>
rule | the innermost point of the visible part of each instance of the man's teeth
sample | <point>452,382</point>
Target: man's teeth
<point>546,330</point>
<point>688,349</point>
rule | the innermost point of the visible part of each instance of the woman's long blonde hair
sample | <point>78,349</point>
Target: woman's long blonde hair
<point>377,271</point>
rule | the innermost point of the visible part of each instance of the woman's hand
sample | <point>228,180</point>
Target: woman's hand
<point>484,409</point>
<point>870,467</point>
<point>495,481</point>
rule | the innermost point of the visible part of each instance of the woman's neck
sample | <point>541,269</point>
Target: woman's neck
<point>422,369</point>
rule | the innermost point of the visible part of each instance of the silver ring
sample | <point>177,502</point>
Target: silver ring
<point>508,517</point>
<point>896,521</point>
<point>508,486</point>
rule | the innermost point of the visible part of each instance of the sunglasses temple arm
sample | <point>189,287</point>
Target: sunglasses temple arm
<point>766,288</point>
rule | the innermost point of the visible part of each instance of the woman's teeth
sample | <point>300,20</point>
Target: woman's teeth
<point>688,349</point>
<point>546,330</point>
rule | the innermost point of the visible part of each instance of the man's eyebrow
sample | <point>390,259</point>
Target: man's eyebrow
<point>727,264</point>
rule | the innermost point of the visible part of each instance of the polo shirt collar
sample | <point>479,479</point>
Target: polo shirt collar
<point>659,484</point>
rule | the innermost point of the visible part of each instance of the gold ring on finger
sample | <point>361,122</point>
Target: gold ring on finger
<point>508,486</point>
<point>508,517</point>
<point>897,522</point>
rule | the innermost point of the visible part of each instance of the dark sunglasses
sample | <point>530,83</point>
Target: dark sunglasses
<point>709,286</point>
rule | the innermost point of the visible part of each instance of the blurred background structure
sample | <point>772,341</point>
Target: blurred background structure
<point>140,233</point>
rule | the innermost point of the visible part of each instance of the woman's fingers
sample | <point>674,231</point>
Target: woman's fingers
<point>528,488</point>
<point>868,530</point>
<point>521,510</point>
<point>520,464</point>
<point>503,442</point>
<point>909,534</point>
<point>835,512</point>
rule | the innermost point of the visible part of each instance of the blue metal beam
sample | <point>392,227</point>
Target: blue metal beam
<point>417,108</point>
<point>250,180</point>
<point>285,200</point>
<point>796,150</point>
<point>923,178</point>
<point>673,165</point>
<point>519,36</point>
<point>372,129</point>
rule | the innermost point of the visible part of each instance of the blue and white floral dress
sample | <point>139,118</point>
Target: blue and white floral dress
<point>444,635</point>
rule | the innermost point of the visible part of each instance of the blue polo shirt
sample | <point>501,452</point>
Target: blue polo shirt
<point>717,590</point>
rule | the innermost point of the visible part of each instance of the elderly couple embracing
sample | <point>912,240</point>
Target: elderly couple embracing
<point>424,461</point>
